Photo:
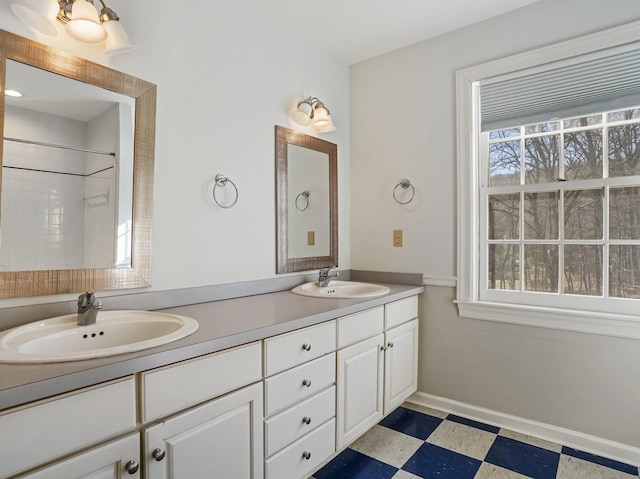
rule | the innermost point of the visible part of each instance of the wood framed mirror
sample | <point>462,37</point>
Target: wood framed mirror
<point>131,217</point>
<point>307,202</point>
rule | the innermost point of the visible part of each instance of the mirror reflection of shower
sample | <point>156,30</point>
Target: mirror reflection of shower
<point>66,181</point>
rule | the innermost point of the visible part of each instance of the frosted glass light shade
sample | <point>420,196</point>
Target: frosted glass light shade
<point>39,15</point>
<point>321,118</point>
<point>302,115</point>
<point>326,129</point>
<point>117,39</point>
<point>85,23</point>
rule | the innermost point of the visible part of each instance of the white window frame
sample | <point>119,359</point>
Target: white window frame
<point>470,305</point>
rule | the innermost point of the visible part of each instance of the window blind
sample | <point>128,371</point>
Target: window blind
<point>590,86</point>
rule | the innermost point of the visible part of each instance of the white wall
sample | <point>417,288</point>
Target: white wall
<point>225,78</point>
<point>101,193</point>
<point>403,125</point>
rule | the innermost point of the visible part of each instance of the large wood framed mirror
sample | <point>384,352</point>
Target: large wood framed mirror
<point>307,202</point>
<point>77,173</point>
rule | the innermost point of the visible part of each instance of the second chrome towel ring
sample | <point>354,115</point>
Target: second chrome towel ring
<point>302,201</point>
<point>221,181</point>
<point>405,184</point>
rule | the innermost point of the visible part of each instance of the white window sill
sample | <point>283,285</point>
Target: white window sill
<point>604,324</point>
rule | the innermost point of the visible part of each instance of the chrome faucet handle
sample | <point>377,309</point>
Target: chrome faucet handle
<point>325,276</point>
<point>88,307</point>
<point>88,299</point>
<point>85,298</point>
<point>325,272</point>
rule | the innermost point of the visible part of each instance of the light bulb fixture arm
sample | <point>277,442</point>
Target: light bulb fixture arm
<point>64,15</point>
<point>107,14</point>
<point>314,103</point>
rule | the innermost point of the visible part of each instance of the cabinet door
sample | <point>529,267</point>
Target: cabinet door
<point>116,460</point>
<point>401,364</point>
<point>359,389</point>
<point>221,438</point>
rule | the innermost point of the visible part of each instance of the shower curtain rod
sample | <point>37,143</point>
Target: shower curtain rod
<point>63,147</point>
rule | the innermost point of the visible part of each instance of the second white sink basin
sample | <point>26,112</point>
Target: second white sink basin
<point>341,289</point>
<point>115,332</point>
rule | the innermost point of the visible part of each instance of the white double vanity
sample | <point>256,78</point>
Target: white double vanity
<point>279,393</point>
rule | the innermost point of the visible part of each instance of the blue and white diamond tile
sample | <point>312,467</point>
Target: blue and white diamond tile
<point>421,443</point>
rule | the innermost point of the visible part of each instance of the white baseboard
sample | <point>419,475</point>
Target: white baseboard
<point>584,442</point>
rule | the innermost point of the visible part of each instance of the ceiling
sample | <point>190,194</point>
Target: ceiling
<point>355,30</point>
<point>53,94</point>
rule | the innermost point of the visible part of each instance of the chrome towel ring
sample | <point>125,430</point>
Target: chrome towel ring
<point>405,184</point>
<point>221,181</point>
<point>305,197</point>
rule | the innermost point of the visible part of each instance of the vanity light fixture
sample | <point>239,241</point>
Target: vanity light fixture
<point>311,111</point>
<point>82,19</point>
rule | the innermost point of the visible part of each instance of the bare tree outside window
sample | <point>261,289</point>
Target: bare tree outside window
<point>548,192</point>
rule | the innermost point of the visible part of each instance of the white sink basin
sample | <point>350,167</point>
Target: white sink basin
<point>115,332</point>
<point>341,289</point>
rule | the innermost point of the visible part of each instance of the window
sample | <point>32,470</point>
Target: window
<point>549,187</point>
<point>563,208</point>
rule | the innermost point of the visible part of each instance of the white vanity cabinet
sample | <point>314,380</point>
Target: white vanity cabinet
<point>115,460</point>
<point>360,375</point>
<point>401,351</point>
<point>299,401</point>
<point>221,437</point>
<point>400,364</point>
<point>276,408</point>
<point>377,366</point>
<point>197,418</point>
<point>43,431</point>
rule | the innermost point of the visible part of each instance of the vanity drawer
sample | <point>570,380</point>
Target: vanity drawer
<point>172,388</point>
<point>401,311</point>
<point>298,420</point>
<point>303,456</point>
<point>40,432</point>
<point>291,349</point>
<point>356,327</point>
<point>298,383</point>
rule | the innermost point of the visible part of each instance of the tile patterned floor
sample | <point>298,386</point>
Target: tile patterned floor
<point>415,442</point>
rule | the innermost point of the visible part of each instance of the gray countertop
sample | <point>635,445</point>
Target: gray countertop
<point>223,324</point>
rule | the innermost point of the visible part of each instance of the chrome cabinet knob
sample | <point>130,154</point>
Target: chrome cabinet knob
<point>306,347</point>
<point>306,455</point>
<point>307,383</point>
<point>158,454</point>
<point>306,420</point>
<point>131,467</point>
<point>390,344</point>
<point>382,348</point>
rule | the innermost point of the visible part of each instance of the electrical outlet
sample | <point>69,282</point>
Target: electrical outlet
<point>311,238</point>
<point>397,238</point>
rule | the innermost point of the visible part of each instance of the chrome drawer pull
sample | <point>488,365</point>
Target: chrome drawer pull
<point>307,383</point>
<point>306,347</point>
<point>158,454</point>
<point>306,420</point>
<point>132,467</point>
<point>306,455</point>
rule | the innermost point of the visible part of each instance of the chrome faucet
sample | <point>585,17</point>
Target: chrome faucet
<point>88,307</point>
<point>325,276</point>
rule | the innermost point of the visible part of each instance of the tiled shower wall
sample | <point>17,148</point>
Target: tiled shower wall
<point>43,213</point>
